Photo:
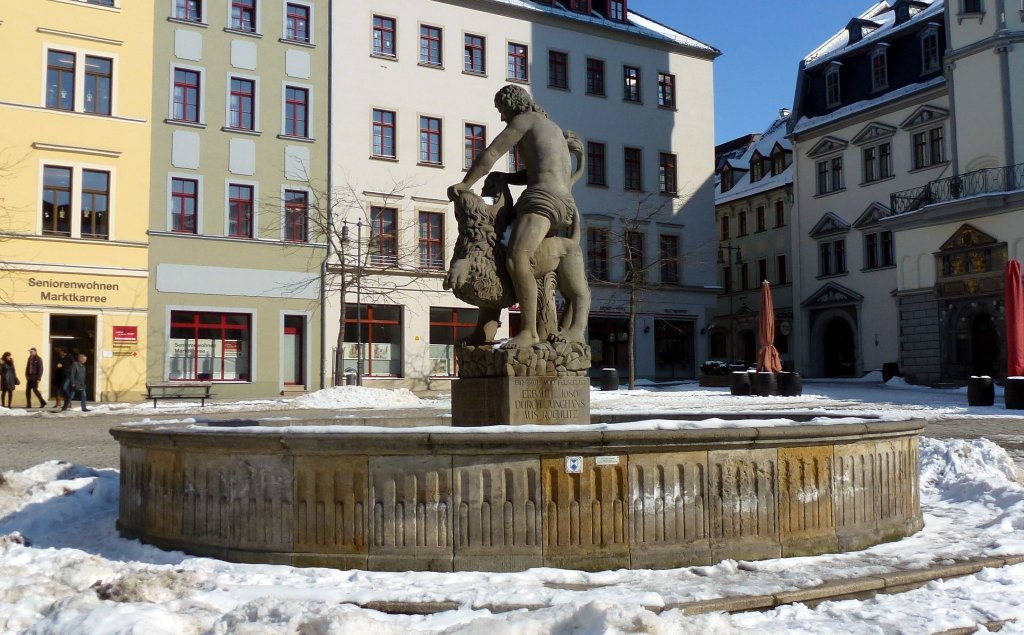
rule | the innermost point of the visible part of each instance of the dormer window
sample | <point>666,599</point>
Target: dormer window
<point>880,68</point>
<point>778,162</point>
<point>930,49</point>
<point>972,6</point>
<point>832,94</point>
<point>617,10</point>
<point>756,167</point>
<point>857,28</point>
<point>726,179</point>
<point>580,6</point>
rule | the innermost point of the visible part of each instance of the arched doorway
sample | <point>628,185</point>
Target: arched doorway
<point>984,345</point>
<point>749,339</point>
<point>839,349</point>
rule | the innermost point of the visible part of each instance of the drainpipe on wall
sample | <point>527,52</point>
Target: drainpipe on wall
<point>330,219</point>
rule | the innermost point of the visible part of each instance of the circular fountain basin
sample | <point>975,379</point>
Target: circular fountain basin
<point>445,499</point>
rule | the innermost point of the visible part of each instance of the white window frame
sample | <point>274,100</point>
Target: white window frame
<point>80,54</point>
<point>77,168</point>
<point>832,75</point>
<point>931,32</point>
<point>880,52</point>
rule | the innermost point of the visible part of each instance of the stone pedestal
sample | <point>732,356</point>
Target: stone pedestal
<point>491,401</point>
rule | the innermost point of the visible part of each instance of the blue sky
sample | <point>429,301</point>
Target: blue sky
<point>762,43</point>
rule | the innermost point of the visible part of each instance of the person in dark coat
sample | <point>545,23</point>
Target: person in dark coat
<point>8,380</point>
<point>65,362</point>
<point>77,383</point>
<point>33,375</point>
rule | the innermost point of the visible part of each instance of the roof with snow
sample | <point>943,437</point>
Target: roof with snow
<point>635,24</point>
<point>743,187</point>
<point>884,17</point>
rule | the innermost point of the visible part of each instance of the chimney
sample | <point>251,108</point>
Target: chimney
<point>783,112</point>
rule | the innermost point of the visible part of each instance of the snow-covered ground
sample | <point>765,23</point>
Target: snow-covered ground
<point>64,569</point>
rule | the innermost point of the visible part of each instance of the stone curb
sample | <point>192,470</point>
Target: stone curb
<point>853,588</point>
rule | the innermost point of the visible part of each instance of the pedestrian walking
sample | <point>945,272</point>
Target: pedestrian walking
<point>65,361</point>
<point>8,380</point>
<point>33,375</point>
<point>77,383</point>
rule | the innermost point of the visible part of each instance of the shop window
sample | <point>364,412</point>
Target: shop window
<point>448,327</point>
<point>209,346</point>
<point>373,340</point>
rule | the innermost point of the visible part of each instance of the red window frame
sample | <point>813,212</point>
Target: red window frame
<point>666,90</point>
<point>296,112</point>
<point>595,77</point>
<point>430,140</point>
<point>475,49</point>
<point>369,332</point>
<point>95,205</point>
<point>459,330</point>
<point>633,160</point>
<point>297,23</point>
<point>243,15</point>
<point>384,133</point>
<point>60,80</point>
<point>185,95</point>
<point>516,162</point>
<point>183,221</point>
<point>558,69</point>
<point>243,99</point>
<point>207,321</point>
<point>240,210</point>
<point>518,62</point>
<point>384,29</point>
<point>431,240</point>
<point>475,142</point>
<point>189,10</point>
<point>667,173</point>
<point>54,193</point>
<point>296,216</point>
<point>383,236</point>
<point>580,6</point>
<point>431,51</point>
<point>597,253</point>
<point>596,170</point>
<point>669,247</point>
<point>631,83</point>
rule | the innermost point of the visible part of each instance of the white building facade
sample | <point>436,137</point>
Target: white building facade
<point>907,136</point>
<point>412,103</point>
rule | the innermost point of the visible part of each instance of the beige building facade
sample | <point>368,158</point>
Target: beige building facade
<point>638,94</point>
<point>239,157</point>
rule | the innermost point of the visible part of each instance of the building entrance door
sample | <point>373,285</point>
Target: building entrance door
<point>77,335</point>
<point>293,346</point>
<point>839,349</point>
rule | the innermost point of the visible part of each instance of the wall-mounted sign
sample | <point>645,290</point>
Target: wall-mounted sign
<point>574,465</point>
<point>126,334</point>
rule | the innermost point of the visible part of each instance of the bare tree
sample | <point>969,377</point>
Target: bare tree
<point>643,273</point>
<point>366,235</point>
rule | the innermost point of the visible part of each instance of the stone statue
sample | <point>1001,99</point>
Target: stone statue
<point>536,260</point>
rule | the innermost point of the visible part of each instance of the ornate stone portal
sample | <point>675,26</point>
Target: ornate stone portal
<point>538,376</point>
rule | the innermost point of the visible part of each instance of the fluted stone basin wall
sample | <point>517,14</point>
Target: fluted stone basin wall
<point>408,500</point>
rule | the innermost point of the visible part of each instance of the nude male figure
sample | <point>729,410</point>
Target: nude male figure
<point>544,207</point>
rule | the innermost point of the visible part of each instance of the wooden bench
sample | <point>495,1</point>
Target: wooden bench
<point>179,390</point>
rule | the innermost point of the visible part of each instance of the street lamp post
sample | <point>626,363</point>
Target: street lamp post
<point>723,257</point>
<point>359,302</point>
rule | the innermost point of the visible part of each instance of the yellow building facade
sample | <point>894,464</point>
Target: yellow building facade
<point>75,135</point>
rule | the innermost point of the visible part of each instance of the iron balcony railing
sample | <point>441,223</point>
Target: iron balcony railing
<point>987,181</point>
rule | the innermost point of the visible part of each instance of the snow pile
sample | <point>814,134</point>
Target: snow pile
<point>65,570</point>
<point>357,397</point>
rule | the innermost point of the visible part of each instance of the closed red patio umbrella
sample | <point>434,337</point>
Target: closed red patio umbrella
<point>1014,321</point>
<point>768,357</point>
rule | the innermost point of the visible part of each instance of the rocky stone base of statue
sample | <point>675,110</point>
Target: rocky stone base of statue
<point>497,401</point>
<point>558,359</point>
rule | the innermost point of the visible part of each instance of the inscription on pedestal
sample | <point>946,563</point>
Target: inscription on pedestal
<point>520,400</point>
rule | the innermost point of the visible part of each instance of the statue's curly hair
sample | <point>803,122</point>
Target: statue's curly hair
<point>516,99</point>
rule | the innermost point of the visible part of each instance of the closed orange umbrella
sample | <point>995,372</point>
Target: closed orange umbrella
<point>768,357</point>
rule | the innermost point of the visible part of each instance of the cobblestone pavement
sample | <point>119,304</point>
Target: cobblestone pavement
<point>85,438</point>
